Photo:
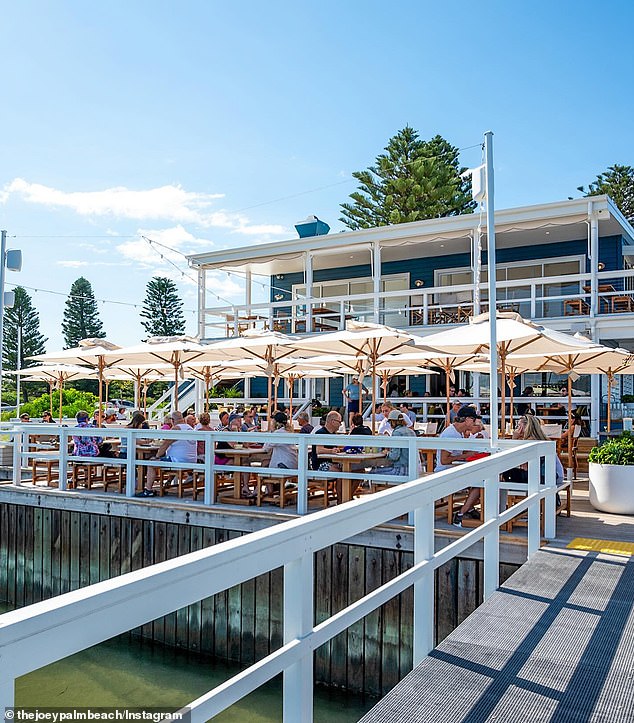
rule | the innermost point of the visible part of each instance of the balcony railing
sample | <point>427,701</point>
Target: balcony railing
<point>544,298</point>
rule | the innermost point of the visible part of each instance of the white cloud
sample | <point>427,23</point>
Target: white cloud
<point>73,264</point>
<point>170,203</point>
<point>149,254</point>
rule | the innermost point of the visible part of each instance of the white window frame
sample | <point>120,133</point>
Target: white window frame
<point>581,259</point>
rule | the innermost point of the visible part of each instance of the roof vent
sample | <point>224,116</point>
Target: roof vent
<point>311,226</point>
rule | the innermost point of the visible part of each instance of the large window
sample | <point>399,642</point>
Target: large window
<point>392,309</point>
<point>517,295</point>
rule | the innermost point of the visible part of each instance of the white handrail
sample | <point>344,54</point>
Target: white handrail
<point>40,634</point>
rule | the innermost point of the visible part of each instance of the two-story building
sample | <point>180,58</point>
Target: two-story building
<point>567,265</point>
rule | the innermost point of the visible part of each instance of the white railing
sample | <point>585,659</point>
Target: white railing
<point>48,631</point>
<point>534,298</point>
<point>26,438</point>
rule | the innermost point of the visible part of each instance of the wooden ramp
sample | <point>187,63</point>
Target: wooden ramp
<point>555,643</point>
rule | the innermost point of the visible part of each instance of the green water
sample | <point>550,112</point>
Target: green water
<point>129,672</point>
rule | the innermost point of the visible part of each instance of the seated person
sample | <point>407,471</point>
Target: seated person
<point>398,456</point>
<point>138,421</point>
<point>283,455</point>
<point>248,420</point>
<point>171,450</point>
<point>110,416</point>
<point>305,427</point>
<point>47,418</point>
<point>85,446</point>
<point>318,462</point>
<point>385,427</point>
<point>203,426</point>
<point>235,425</point>
<point>528,427</point>
<point>358,427</point>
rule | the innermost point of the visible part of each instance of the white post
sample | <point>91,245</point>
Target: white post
<point>308,280</point>
<point>594,260</point>
<point>248,291</point>
<point>549,503</point>
<point>18,448</point>
<point>492,538</point>
<point>298,623</point>
<point>202,277</point>
<point>493,351</point>
<point>302,476</point>
<point>3,253</point>
<point>210,473</point>
<point>534,509</point>
<point>7,694</point>
<point>130,466</point>
<point>63,458</point>
<point>376,282</point>
<point>424,589</point>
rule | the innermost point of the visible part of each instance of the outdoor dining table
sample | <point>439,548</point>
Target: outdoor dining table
<point>347,460</point>
<point>236,455</point>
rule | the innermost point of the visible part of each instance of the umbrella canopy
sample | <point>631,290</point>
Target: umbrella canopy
<point>91,352</point>
<point>56,375</point>
<point>268,347</point>
<point>174,351</point>
<point>515,335</point>
<point>141,375</point>
<point>425,358</point>
<point>361,340</point>
<point>596,359</point>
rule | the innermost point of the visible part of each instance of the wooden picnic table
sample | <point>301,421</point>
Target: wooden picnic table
<point>236,455</point>
<point>347,460</point>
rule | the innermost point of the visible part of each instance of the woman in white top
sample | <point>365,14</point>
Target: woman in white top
<point>282,455</point>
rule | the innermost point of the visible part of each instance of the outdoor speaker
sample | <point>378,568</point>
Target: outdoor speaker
<point>9,299</point>
<point>14,260</point>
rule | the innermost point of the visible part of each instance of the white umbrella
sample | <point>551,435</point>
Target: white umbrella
<point>361,340</point>
<point>56,375</point>
<point>515,335</point>
<point>597,359</point>
<point>91,352</point>
<point>176,351</point>
<point>448,363</point>
<point>268,347</point>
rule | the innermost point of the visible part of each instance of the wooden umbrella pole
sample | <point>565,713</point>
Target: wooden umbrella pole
<point>610,376</point>
<point>384,385</point>
<point>503,395</point>
<point>100,367</point>
<point>61,394</point>
<point>570,430</point>
<point>208,378</point>
<point>291,382</point>
<point>51,384</point>
<point>175,395</point>
<point>512,388</point>
<point>145,386</point>
<point>447,380</point>
<point>374,355</point>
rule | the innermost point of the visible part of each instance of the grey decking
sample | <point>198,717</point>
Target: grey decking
<point>555,643</point>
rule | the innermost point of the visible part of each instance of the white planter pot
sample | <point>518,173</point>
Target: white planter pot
<point>612,488</point>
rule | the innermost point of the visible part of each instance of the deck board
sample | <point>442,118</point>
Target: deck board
<point>555,644</point>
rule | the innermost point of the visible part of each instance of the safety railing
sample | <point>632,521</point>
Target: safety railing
<point>57,448</point>
<point>43,633</point>
<point>544,298</point>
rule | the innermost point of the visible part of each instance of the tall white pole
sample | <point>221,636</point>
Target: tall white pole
<point>3,253</point>
<point>493,370</point>
<point>18,366</point>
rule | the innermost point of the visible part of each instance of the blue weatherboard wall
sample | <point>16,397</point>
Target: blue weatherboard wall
<point>610,250</point>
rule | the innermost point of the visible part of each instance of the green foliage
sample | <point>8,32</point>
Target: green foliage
<point>412,181</point>
<point>162,308</point>
<point>618,183</point>
<point>615,451</point>
<point>226,392</point>
<point>21,335</point>
<point>72,401</point>
<point>81,317</point>
<point>627,399</point>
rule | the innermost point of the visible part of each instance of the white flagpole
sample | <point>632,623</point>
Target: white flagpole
<point>493,361</point>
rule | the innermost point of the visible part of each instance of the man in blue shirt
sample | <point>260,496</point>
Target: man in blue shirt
<point>351,393</point>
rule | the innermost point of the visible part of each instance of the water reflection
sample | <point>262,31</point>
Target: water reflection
<point>130,672</point>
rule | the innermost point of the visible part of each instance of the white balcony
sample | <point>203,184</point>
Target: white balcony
<point>562,302</point>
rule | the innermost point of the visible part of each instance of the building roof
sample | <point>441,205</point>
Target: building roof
<point>514,227</point>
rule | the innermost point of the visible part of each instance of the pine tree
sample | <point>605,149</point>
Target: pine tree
<point>81,317</point>
<point>162,308</point>
<point>412,181</point>
<point>21,330</point>
<point>618,183</point>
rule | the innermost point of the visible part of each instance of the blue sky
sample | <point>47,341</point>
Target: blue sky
<point>209,124</point>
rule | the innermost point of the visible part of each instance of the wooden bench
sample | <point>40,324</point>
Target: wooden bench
<point>87,473</point>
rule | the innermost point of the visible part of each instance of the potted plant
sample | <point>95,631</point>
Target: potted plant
<point>612,475</point>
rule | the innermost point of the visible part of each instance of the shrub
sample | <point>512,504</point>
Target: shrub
<point>627,399</point>
<point>615,451</point>
<point>72,401</point>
